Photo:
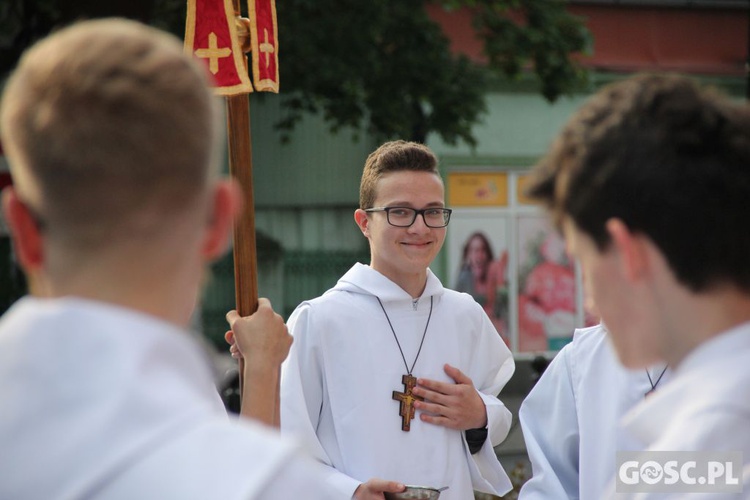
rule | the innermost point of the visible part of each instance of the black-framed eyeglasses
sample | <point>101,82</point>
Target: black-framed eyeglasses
<point>434,217</point>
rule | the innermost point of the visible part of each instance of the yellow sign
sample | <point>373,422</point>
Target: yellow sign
<point>479,189</point>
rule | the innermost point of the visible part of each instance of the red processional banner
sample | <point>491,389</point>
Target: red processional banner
<point>211,35</point>
<point>265,43</point>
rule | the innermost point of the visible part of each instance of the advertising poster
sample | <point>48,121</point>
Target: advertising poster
<point>478,253</point>
<point>546,287</point>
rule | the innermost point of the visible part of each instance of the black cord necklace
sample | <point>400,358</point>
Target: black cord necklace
<point>407,398</point>
<point>408,370</point>
<point>654,384</point>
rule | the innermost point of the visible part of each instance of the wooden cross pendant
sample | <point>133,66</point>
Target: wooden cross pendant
<point>407,401</point>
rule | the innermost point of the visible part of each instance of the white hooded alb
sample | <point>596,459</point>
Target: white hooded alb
<point>103,402</point>
<point>337,384</point>
<point>570,419</point>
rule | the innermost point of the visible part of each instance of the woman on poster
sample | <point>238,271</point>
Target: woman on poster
<point>483,278</point>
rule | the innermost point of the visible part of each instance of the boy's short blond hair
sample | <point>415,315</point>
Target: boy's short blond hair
<point>110,130</point>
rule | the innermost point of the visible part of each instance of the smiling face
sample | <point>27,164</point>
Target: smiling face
<point>403,254</point>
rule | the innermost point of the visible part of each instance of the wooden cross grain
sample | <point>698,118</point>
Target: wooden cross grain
<point>407,399</point>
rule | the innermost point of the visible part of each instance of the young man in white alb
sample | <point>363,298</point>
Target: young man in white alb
<point>111,133</point>
<point>649,182</point>
<point>347,385</point>
<point>570,419</point>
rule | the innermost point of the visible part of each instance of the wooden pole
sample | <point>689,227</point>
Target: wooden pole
<point>244,249</point>
<point>241,168</point>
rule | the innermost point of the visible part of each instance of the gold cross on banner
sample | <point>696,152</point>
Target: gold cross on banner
<point>213,53</point>
<point>267,48</point>
<point>407,401</point>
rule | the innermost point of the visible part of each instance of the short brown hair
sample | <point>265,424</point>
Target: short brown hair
<point>108,126</point>
<point>393,156</point>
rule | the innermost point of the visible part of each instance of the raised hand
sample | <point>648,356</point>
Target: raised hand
<point>261,337</point>
<point>263,340</point>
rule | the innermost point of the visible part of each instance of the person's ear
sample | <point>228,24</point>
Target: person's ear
<point>24,230</point>
<point>363,221</point>
<point>631,248</point>
<point>225,206</point>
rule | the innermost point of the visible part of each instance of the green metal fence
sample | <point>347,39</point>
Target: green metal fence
<point>217,299</point>
<point>306,274</point>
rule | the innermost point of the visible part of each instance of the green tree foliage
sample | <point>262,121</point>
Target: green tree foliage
<point>537,34</point>
<point>383,64</point>
<point>387,64</point>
